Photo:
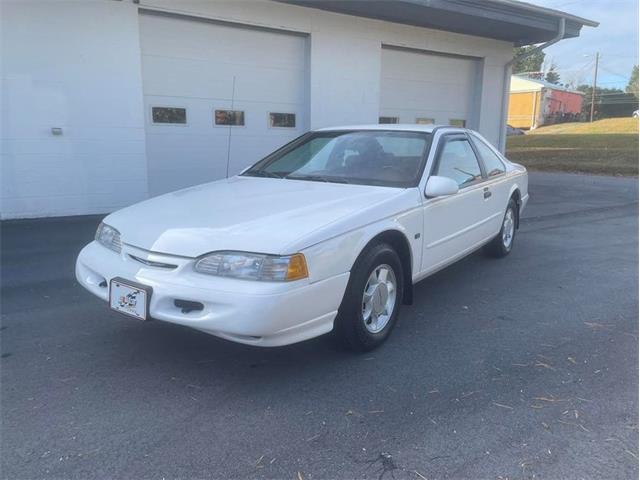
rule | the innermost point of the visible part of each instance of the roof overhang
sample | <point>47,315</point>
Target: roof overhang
<point>508,20</point>
<point>522,84</point>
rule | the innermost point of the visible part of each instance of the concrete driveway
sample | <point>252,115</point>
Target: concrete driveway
<point>517,368</point>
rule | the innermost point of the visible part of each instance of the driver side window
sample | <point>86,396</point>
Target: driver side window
<point>458,162</point>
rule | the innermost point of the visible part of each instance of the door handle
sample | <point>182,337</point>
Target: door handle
<point>487,192</point>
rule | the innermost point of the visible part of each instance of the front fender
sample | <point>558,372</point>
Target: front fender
<point>338,255</point>
<point>521,185</point>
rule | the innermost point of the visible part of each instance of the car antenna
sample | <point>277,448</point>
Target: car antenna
<point>233,94</point>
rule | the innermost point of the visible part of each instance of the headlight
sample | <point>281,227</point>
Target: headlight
<point>254,266</point>
<point>108,237</point>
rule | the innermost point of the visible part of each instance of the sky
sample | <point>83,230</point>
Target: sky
<point>616,39</point>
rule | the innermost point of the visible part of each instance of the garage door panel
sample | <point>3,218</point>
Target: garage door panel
<point>201,124</point>
<point>203,67</point>
<point>170,180</point>
<point>199,113</point>
<point>425,96</point>
<point>442,82</point>
<point>246,148</point>
<point>425,85</point>
<point>189,39</point>
<point>171,152</point>
<point>256,115</point>
<point>184,78</point>
<point>198,170</point>
<point>425,65</point>
<point>280,86</point>
<point>195,78</point>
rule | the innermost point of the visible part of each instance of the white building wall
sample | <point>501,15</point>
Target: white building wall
<point>494,93</point>
<point>76,65</point>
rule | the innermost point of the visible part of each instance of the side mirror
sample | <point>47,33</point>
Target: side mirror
<point>440,187</point>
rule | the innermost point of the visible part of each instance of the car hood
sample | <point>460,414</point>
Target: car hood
<point>250,214</point>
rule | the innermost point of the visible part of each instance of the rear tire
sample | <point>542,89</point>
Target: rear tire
<point>502,244</point>
<point>372,300</point>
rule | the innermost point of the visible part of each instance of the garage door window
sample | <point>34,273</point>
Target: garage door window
<point>425,121</point>
<point>169,115</point>
<point>457,122</point>
<point>388,120</point>
<point>233,118</point>
<point>282,120</point>
<point>458,162</point>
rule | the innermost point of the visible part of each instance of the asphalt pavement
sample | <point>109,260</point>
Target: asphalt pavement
<point>525,367</point>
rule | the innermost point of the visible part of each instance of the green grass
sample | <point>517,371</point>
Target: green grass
<point>606,147</point>
<point>608,125</point>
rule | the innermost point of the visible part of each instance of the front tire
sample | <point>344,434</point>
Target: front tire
<point>502,244</point>
<point>372,300</point>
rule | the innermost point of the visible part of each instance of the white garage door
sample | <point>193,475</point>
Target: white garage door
<point>217,97</point>
<point>419,87</point>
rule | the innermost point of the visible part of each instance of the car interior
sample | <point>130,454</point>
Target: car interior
<point>365,157</point>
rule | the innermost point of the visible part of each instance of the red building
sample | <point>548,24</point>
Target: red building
<point>533,103</point>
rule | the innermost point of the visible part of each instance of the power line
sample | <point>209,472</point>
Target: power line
<point>587,66</point>
<point>606,69</point>
<point>613,81</point>
<point>621,56</point>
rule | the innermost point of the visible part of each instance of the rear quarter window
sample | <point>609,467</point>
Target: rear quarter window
<point>492,162</point>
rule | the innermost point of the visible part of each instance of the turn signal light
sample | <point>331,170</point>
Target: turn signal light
<point>297,267</point>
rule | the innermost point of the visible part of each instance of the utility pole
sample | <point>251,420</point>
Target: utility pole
<point>593,88</point>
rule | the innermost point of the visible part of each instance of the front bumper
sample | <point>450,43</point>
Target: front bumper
<point>257,313</point>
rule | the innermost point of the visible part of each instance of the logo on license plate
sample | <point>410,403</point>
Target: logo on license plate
<point>129,300</point>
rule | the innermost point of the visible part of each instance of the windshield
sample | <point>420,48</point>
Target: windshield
<point>386,158</point>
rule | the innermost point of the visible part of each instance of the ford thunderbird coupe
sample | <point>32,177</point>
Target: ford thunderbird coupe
<point>327,234</point>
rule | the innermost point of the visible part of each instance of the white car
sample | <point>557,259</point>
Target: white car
<point>330,232</point>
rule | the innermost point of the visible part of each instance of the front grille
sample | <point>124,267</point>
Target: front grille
<point>150,263</point>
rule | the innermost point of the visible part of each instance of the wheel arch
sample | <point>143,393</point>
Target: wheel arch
<point>398,240</point>
<point>517,197</point>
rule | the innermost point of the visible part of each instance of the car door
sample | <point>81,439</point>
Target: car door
<point>454,225</point>
<point>497,183</point>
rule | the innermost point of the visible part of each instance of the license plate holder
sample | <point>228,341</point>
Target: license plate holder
<point>130,298</point>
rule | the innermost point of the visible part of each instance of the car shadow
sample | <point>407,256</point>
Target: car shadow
<point>188,350</point>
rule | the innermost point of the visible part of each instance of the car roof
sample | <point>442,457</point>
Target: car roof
<point>404,127</point>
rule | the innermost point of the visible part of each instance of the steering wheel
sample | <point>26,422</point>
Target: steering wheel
<point>394,168</point>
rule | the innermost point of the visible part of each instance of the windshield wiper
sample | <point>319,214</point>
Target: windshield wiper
<point>318,178</point>
<point>262,173</point>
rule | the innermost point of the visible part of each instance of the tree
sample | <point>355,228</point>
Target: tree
<point>532,63</point>
<point>552,76</point>
<point>610,102</point>
<point>632,86</point>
